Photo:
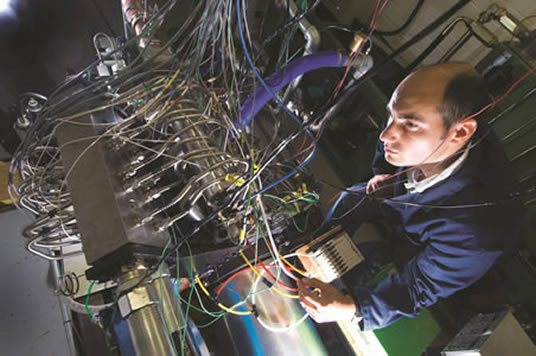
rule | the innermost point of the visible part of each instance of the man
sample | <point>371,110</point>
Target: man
<point>453,195</point>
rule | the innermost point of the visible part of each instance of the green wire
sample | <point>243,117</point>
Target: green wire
<point>188,304</point>
<point>294,55</point>
<point>210,322</point>
<point>87,299</point>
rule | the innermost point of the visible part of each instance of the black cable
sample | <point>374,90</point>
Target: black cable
<point>436,42</point>
<point>362,28</point>
<point>410,19</point>
<point>425,31</point>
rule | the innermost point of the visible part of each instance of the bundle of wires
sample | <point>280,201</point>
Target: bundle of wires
<point>192,85</point>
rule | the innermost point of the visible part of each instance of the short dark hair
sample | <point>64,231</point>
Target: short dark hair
<point>465,94</point>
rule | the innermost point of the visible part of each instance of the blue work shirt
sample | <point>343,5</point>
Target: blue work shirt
<point>459,242</point>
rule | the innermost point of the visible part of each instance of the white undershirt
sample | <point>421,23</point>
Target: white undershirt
<point>414,186</point>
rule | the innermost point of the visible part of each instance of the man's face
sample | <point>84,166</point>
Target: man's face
<point>415,130</point>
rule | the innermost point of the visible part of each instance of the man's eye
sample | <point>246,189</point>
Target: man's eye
<point>411,125</point>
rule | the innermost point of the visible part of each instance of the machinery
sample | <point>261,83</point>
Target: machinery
<point>169,178</point>
<point>148,176</point>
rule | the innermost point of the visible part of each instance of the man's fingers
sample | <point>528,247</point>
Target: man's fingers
<point>315,283</point>
<point>302,288</point>
<point>311,298</point>
<point>370,187</point>
<point>308,304</point>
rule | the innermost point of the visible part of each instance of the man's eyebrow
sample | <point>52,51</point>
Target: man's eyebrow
<point>410,116</point>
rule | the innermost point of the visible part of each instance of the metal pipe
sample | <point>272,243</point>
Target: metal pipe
<point>310,33</point>
<point>65,312</point>
<point>457,46</point>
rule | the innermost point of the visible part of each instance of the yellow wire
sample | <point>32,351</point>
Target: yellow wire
<point>291,266</point>
<point>168,84</point>
<point>261,277</point>
<point>237,312</point>
<point>223,307</point>
<point>198,280</point>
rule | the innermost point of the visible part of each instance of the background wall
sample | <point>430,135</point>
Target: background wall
<point>396,12</point>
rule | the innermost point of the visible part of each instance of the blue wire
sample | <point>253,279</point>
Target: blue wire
<point>267,88</point>
<point>294,171</point>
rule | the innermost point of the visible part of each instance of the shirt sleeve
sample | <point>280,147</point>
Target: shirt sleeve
<point>448,263</point>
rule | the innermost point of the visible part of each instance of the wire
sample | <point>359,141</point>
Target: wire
<point>394,32</point>
<point>223,307</point>
<point>271,327</point>
<point>258,260</point>
<point>502,97</point>
<point>303,273</point>
<point>284,107</point>
<point>87,299</point>
<point>279,291</point>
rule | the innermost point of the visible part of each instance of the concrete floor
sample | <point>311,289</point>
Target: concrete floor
<point>30,316</point>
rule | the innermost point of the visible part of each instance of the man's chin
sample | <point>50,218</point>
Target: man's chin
<point>392,160</point>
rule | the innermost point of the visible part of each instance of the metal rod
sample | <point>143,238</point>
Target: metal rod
<point>457,46</point>
<point>65,312</point>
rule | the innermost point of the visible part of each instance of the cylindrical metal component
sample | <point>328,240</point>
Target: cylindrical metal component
<point>357,41</point>
<point>149,333</point>
<point>310,33</point>
<point>168,304</point>
<point>150,310</point>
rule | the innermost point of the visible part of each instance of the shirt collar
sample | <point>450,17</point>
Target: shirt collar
<point>414,186</point>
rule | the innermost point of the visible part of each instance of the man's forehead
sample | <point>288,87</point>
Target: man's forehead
<point>405,101</point>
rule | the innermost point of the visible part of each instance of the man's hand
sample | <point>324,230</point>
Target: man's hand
<point>378,186</point>
<point>325,303</point>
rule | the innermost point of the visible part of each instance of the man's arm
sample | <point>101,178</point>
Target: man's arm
<point>450,263</point>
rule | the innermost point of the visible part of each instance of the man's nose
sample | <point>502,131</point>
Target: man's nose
<point>390,133</point>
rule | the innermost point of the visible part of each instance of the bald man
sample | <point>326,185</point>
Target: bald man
<point>445,185</point>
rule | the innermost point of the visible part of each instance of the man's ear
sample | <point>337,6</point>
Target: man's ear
<point>464,130</point>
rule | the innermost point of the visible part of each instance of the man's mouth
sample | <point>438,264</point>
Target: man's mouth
<point>389,149</point>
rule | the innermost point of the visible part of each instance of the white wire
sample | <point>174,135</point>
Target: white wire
<point>265,325</point>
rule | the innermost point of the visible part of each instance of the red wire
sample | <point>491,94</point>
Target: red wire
<point>374,21</point>
<point>372,27</point>
<point>268,272</point>
<point>504,95</point>
<point>224,284</point>
<point>230,279</point>
<point>185,285</point>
